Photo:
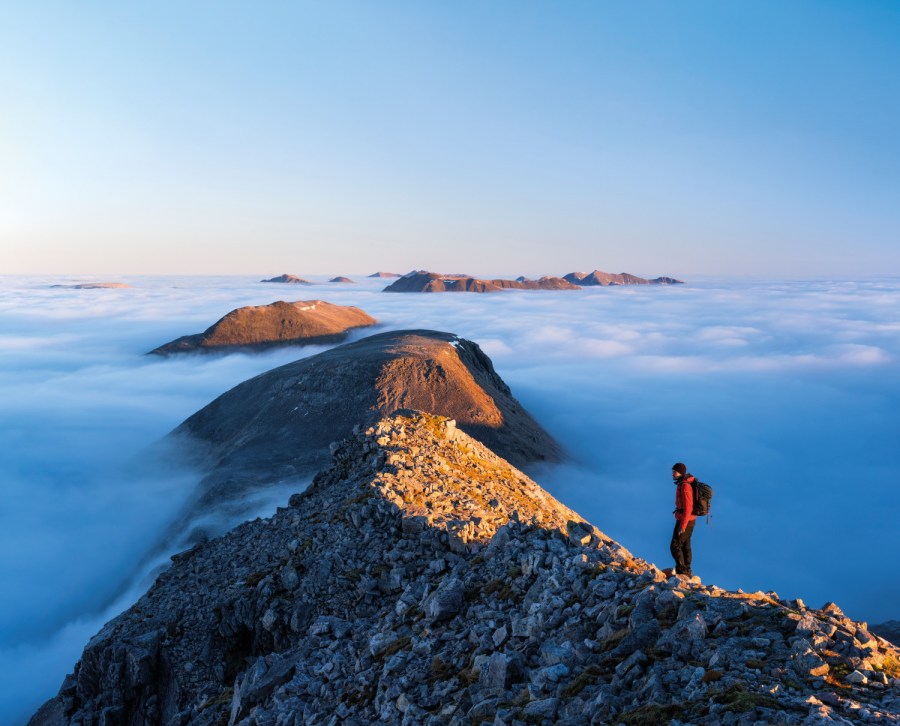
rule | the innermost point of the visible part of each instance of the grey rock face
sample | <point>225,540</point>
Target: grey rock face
<point>331,611</point>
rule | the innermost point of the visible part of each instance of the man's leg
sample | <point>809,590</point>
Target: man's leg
<point>676,550</point>
<point>686,553</point>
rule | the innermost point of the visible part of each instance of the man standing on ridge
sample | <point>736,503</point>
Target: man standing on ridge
<point>684,519</point>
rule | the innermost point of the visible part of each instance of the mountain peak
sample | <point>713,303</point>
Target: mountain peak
<point>278,425</point>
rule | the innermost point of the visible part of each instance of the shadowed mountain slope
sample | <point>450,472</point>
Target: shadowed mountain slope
<point>279,425</point>
<point>421,579</point>
<point>281,323</point>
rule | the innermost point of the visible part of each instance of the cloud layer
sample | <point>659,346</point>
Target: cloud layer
<point>783,396</point>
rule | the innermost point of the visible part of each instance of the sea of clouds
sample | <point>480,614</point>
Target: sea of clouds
<point>785,396</point>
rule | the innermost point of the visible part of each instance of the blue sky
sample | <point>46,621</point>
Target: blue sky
<point>503,137</point>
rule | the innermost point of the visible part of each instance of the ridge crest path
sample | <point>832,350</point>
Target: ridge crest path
<point>422,579</point>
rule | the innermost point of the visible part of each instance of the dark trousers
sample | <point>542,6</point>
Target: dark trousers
<point>681,548</point>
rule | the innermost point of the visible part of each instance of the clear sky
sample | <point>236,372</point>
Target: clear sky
<point>485,137</point>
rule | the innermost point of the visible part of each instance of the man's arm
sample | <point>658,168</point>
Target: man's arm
<point>687,500</point>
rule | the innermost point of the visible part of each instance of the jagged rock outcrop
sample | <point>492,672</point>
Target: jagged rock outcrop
<point>304,322</point>
<point>95,285</point>
<point>290,279</point>
<point>598,277</point>
<point>422,281</point>
<point>341,279</point>
<point>890,630</point>
<point>278,425</point>
<point>421,579</point>
<point>384,274</point>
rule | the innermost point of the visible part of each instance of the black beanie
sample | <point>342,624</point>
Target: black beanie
<point>680,468</point>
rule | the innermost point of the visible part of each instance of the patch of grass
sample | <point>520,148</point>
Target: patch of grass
<point>396,647</point>
<point>467,677</point>
<point>651,714</point>
<point>836,682</point>
<point>499,587</point>
<point>613,640</point>
<point>596,571</point>
<point>668,617</point>
<point>361,499</point>
<point>839,670</point>
<point>440,670</point>
<point>362,697</point>
<point>588,677</point>
<point>739,700</point>
<point>890,667</point>
<point>222,699</point>
<point>254,578</point>
<point>712,676</point>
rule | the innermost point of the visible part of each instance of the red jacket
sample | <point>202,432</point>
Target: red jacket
<point>684,501</point>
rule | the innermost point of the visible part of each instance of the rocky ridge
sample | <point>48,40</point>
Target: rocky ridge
<point>421,579</point>
<point>605,279</point>
<point>290,279</point>
<point>423,281</point>
<point>278,425</point>
<point>281,323</point>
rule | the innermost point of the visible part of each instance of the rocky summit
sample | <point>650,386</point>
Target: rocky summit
<point>265,326</point>
<point>278,425</point>
<point>422,579</point>
<point>290,279</point>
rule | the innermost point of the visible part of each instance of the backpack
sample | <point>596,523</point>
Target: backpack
<point>703,494</point>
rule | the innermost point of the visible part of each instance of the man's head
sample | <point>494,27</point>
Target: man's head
<point>678,470</point>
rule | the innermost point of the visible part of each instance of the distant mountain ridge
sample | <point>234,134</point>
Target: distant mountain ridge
<point>280,323</point>
<point>423,281</point>
<point>291,279</point>
<point>604,279</point>
<point>95,285</point>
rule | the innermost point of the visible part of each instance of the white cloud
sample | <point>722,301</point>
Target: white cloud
<point>784,396</point>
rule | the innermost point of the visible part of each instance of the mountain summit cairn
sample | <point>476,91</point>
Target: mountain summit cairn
<point>421,579</point>
<point>305,322</point>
